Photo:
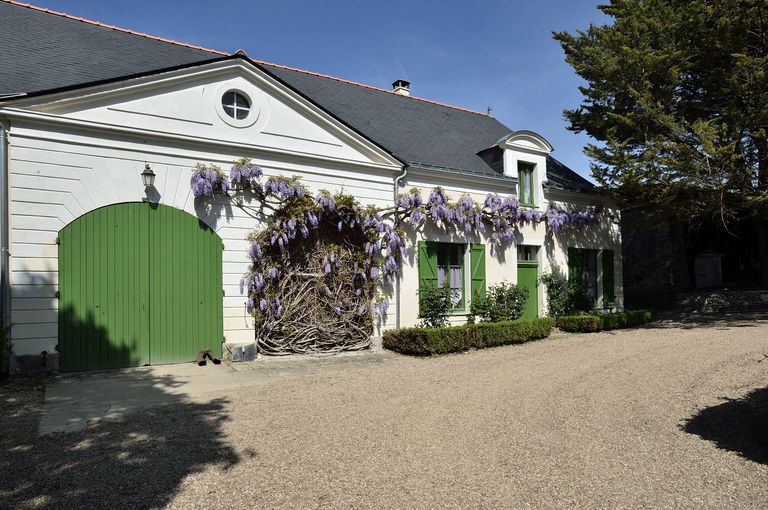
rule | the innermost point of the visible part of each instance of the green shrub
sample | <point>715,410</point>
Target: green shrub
<point>502,302</point>
<point>564,297</point>
<point>557,294</point>
<point>604,322</point>
<point>434,306</point>
<point>429,341</point>
<point>580,323</point>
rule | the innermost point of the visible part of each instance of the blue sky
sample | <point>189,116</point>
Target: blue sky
<point>466,53</point>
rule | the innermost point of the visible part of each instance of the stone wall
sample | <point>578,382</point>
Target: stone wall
<point>653,258</point>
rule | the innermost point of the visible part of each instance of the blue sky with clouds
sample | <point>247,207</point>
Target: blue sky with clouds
<point>466,53</point>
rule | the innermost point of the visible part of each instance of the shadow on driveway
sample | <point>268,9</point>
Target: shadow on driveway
<point>724,321</point>
<point>137,462</point>
<point>739,425</point>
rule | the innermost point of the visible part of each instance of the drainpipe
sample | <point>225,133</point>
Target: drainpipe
<point>5,294</point>
<point>397,281</point>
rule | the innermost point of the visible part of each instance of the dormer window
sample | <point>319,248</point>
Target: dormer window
<point>526,179</point>
<point>525,159</point>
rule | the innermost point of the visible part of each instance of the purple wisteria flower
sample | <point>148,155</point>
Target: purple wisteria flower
<point>437,197</point>
<point>326,201</point>
<point>417,216</point>
<point>493,202</point>
<point>466,203</point>
<point>207,181</point>
<point>410,199</point>
<point>243,172</point>
<point>255,251</point>
<point>283,189</point>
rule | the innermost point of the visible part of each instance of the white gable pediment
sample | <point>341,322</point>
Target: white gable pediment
<point>526,141</point>
<point>188,103</point>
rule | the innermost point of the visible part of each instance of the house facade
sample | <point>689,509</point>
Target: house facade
<point>103,271</point>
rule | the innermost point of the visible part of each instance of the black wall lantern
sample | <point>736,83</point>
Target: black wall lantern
<point>148,176</point>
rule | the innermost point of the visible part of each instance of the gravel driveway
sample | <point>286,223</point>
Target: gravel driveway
<point>637,418</point>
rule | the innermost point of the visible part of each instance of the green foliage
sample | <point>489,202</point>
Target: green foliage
<point>579,323</point>
<point>676,95</point>
<point>604,322</point>
<point>564,297</point>
<point>434,306</point>
<point>426,342</point>
<point>502,302</point>
<point>557,293</point>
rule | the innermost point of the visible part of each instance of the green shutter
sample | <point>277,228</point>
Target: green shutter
<point>531,194</point>
<point>609,292</point>
<point>427,264</point>
<point>575,265</point>
<point>477,268</point>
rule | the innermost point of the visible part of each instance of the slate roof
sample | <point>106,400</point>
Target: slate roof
<point>44,50</point>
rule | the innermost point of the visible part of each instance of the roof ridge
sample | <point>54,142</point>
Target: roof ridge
<point>112,27</point>
<point>194,46</point>
<point>364,85</point>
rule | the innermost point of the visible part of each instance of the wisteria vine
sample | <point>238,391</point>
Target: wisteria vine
<point>318,261</point>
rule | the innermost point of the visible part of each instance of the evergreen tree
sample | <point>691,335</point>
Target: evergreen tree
<point>676,96</point>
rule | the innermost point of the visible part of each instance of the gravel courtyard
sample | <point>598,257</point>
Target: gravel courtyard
<point>667,416</point>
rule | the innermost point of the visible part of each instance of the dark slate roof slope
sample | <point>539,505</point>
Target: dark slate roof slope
<point>562,177</point>
<point>418,131</point>
<point>44,51</point>
<point>415,131</point>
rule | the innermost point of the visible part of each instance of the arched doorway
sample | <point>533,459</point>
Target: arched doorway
<point>139,284</point>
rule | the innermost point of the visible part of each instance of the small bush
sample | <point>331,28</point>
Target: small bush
<point>579,323</point>
<point>604,322</point>
<point>502,302</point>
<point>557,294</point>
<point>564,297</point>
<point>426,341</point>
<point>434,306</point>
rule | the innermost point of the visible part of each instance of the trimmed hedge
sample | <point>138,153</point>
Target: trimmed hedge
<point>429,341</point>
<point>593,323</point>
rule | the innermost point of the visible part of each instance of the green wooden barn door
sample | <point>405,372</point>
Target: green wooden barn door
<point>138,284</point>
<point>104,290</point>
<point>185,287</point>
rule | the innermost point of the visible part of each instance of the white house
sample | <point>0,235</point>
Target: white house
<point>102,271</point>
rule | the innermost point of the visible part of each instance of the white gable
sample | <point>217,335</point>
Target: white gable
<point>188,103</point>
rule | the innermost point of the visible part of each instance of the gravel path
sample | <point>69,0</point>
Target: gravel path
<point>625,419</point>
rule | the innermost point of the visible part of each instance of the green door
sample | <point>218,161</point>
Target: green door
<point>528,277</point>
<point>185,312</point>
<point>138,284</point>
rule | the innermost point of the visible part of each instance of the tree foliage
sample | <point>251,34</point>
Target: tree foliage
<point>676,96</point>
